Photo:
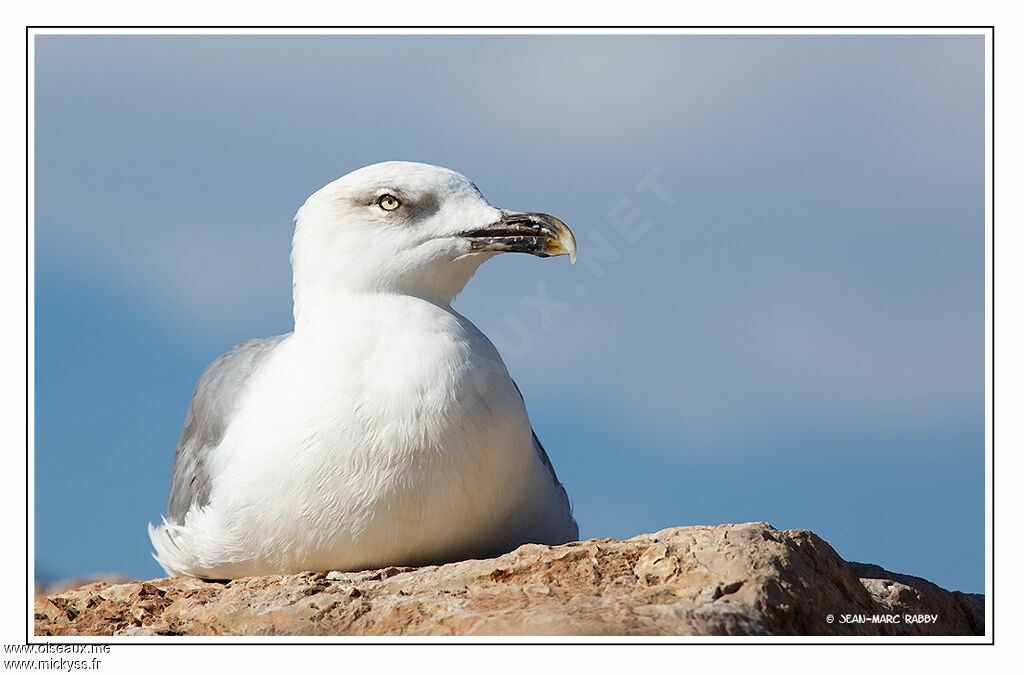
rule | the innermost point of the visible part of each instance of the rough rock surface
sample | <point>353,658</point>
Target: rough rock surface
<point>748,579</point>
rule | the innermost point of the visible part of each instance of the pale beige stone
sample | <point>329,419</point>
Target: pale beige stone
<point>747,579</point>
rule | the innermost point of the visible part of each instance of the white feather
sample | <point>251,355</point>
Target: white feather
<point>385,430</point>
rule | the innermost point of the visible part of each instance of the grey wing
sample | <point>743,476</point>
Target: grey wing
<point>545,460</point>
<point>213,405</point>
<point>539,449</point>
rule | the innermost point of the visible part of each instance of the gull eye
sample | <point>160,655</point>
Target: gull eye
<point>388,202</point>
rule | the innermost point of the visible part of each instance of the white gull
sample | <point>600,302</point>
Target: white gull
<point>385,429</point>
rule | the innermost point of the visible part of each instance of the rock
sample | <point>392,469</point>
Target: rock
<point>748,579</point>
<point>62,585</point>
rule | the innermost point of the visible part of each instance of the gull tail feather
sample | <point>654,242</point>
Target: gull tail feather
<point>169,554</point>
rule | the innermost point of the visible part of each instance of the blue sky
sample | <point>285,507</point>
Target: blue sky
<point>790,328</point>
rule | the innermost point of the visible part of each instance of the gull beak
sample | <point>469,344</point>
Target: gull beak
<point>536,233</point>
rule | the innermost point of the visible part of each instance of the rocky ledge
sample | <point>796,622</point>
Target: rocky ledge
<point>748,579</point>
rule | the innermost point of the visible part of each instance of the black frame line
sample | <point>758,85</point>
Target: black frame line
<point>461,30</point>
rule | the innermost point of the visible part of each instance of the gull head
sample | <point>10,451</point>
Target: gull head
<point>405,227</point>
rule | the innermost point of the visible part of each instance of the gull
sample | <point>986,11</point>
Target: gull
<point>384,429</point>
